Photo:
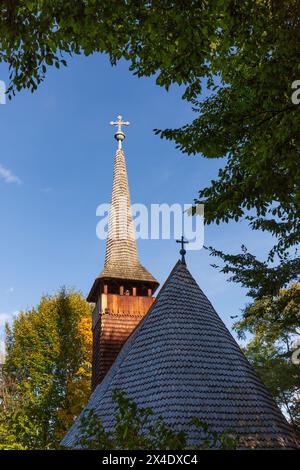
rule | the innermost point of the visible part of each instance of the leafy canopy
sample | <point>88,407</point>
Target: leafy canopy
<point>46,376</point>
<point>137,428</point>
<point>247,55</point>
<point>274,323</point>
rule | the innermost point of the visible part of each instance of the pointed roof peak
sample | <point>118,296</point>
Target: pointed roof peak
<point>121,244</point>
<point>182,252</point>
<point>121,257</point>
<point>183,362</point>
<point>119,135</point>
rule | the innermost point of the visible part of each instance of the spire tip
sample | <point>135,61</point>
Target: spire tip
<point>119,135</point>
<point>182,251</point>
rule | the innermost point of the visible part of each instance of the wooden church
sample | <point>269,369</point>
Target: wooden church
<point>173,353</point>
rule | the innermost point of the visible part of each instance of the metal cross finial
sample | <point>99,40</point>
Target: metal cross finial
<point>119,135</point>
<point>182,241</point>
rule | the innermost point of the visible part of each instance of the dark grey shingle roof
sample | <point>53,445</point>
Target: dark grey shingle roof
<point>182,361</point>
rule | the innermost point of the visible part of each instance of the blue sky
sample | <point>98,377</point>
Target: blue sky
<point>56,164</point>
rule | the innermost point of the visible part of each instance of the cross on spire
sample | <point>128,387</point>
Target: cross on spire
<point>182,241</point>
<point>119,135</point>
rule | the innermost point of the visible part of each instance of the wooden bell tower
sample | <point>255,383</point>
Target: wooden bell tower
<point>123,292</point>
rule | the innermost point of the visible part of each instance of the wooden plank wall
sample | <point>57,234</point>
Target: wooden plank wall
<point>115,324</point>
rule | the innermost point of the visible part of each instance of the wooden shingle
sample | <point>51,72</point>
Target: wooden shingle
<point>121,258</point>
<point>183,362</point>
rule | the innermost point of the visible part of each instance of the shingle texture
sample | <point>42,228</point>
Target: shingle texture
<point>182,362</point>
<point>121,259</point>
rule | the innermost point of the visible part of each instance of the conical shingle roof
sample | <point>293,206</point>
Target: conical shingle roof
<point>183,362</point>
<point>121,258</point>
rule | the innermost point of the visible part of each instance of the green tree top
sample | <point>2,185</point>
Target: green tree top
<point>47,371</point>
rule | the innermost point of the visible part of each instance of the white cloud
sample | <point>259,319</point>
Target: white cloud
<point>8,176</point>
<point>7,317</point>
<point>4,317</point>
<point>2,350</point>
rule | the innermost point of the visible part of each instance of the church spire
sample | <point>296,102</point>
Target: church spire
<point>121,247</point>
<point>123,291</point>
<point>121,250</point>
<point>121,258</point>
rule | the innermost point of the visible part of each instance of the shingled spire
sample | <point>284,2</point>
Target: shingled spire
<point>183,362</point>
<point>121,250</point>
<point>123,290</point>
<point>121,259</point>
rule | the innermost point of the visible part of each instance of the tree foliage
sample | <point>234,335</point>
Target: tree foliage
<point>274,323</point>
<point>246,53</point>
<point>136,428</point>
<point>259,277</point>
<point>46,376</point>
